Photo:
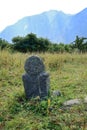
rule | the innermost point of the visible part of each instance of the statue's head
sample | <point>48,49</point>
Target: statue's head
<point>34,65</point>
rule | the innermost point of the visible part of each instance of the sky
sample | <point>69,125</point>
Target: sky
<point>13,10</point>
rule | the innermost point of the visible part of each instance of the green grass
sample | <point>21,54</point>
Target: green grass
<point>68,73</point>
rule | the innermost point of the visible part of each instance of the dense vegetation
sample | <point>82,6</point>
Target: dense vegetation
<point>68,73</point>
<point>4,44</point>
<point>31,43</point>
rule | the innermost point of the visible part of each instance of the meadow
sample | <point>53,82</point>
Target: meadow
<point>68,74</point>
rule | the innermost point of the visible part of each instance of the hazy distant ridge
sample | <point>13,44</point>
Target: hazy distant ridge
<point>54,25</point>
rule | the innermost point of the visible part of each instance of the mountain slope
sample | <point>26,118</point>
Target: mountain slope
<point>77,26</point>
<point>54,25</point>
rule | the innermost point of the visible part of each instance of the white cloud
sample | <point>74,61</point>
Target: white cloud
<point>12,10</point>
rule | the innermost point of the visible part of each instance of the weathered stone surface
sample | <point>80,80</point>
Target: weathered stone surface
<point>36,80</point>
<point>72,102</point>
<point>56,93</point>
<point>34,65</point>
<point>85,100</point>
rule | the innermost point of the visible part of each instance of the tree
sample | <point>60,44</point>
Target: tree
<point>30,43</point>
<point>4,44</point>
<point>31,40</point>
<point>61,47</point>
<point>43,44</point>
<point>18,44</point>
<point>80,43</point>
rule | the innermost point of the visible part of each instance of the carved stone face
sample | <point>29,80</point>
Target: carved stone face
<point>34,65</point>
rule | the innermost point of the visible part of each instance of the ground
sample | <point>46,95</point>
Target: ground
<point>68,74</point>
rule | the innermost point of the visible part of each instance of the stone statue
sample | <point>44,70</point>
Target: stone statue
<point>35,80</point>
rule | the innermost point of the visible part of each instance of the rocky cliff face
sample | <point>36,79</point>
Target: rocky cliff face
<point>54,25</point>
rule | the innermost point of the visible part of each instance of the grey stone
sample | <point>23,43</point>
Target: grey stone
<point>72,102</point>
<point>35,80</point>
<point>56,93</point>
<point>85,100</point>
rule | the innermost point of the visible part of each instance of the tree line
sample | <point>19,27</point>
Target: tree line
<point>31,43</point>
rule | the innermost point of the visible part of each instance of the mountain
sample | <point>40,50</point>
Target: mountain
<point>54,25</point>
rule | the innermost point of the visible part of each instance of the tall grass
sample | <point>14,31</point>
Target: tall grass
<point>68,73</point>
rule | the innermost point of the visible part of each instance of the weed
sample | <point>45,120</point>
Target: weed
<point>68,73</point>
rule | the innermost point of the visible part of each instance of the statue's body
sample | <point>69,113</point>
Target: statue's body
<point>36,80</point>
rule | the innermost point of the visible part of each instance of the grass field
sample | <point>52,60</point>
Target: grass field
<point>68,73</point>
